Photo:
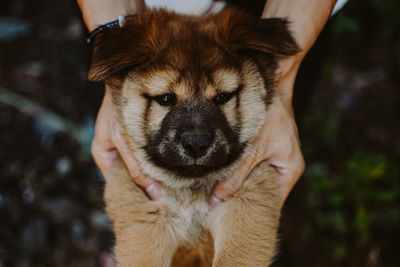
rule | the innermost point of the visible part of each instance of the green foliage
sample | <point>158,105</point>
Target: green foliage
<point>344,25</point>
<point>353,198</point>
<point>352,206</point>
<point>364,20</point>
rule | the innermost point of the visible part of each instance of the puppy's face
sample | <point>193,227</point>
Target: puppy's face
<point>191,119</point>
<point>191,92</point>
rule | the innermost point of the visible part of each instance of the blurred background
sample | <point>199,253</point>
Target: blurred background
<point>345,210</point>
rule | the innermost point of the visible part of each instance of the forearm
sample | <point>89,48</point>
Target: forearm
<point>307,18</point>
<point>96,12</point>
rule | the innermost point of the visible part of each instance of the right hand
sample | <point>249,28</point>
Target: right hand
<point>278,142</point>
<point>108,143</point>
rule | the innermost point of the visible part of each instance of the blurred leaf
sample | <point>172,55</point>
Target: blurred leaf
<point>369,166</point>
<point>339,252</point>
<point>362,223</point>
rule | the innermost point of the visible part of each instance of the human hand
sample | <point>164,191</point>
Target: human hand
<point>278,142</point>
<point>108,143</point>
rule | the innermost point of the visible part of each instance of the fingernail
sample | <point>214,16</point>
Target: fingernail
<point>153,191</point>
<point>214,201</point>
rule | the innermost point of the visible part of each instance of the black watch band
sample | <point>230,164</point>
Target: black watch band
<point>119,23</point>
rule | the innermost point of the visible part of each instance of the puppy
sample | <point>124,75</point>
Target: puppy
<point>192,94</point>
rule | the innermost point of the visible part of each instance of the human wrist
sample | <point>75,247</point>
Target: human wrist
<point>306,18</point>
<point>285,79</point>
<point>98,12</point>
<point>108,98</point>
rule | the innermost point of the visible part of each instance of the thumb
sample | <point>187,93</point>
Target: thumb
<point>149,185</point>
<point>231,184</point>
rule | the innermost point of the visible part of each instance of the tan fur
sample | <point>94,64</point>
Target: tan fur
<point>195,59</point>
<point>149,232</point>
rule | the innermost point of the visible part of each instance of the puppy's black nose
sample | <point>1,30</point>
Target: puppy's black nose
<point>196,143</point>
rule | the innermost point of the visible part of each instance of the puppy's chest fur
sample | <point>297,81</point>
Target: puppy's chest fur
<point>191,211</point>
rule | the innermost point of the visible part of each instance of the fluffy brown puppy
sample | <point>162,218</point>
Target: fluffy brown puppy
<point>192,94</point>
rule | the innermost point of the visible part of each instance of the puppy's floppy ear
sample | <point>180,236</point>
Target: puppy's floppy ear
<point>123,48</point>
<point>116,50</point>
<point>241,31</point>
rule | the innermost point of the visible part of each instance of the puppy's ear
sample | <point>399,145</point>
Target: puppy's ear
<point>241,31</point>
<point>120,49</point>
<point>116,50</point>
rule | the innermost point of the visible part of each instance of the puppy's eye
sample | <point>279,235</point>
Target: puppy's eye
<point>166,99</point>
<point>222,98</point>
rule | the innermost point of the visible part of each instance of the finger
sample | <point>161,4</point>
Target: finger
<point>230,185</point>
<point>149,185</point>
<point>108,142</point>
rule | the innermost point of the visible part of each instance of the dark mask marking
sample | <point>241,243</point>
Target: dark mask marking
<point>194,116</point>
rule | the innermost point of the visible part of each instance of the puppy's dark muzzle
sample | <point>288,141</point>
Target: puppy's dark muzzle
<point>196,143</point>
<point>194,139</point>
